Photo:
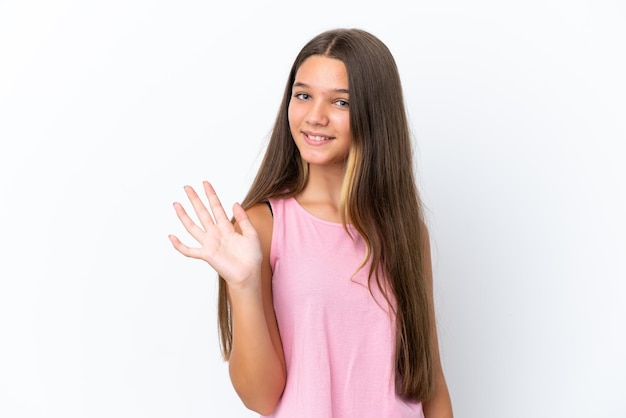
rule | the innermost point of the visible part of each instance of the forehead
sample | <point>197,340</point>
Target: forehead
<point>322,72</point>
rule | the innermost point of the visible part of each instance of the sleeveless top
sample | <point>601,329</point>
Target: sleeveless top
<point>337,336</point>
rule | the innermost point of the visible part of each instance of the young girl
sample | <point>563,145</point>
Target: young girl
<point>325,304</point>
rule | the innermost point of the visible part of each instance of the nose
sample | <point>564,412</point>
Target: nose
<point>317,114</point>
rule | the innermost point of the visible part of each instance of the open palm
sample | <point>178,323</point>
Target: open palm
<point>236,256</point>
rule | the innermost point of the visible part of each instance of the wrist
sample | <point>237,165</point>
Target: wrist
<point>245,287</point>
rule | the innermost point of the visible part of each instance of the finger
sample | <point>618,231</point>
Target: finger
<point>201,211</point>
<point>183,249</point>
<point>243,220</point>
<point>216,206</point>
<point>188,223</point>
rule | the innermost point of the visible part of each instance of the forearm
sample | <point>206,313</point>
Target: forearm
<point>255,366</point>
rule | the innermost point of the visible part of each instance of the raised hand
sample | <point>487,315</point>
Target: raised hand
<point>235,256</point>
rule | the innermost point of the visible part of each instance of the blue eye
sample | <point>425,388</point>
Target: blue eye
<point>342,103</point>
<point>301,96</point>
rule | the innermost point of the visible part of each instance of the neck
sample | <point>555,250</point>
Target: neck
<point>322,193</point>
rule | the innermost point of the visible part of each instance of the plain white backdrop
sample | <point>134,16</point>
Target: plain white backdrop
<point>108,108</point>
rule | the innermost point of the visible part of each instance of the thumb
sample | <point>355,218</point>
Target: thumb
<point>242,220</point>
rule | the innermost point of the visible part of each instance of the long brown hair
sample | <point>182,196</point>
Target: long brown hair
<point>379,194</point>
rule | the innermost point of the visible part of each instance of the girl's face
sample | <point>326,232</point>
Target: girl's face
<point>319,113</point>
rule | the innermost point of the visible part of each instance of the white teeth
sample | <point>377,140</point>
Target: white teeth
<point>317,138</point>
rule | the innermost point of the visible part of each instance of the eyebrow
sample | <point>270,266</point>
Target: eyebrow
<point>300,84</point>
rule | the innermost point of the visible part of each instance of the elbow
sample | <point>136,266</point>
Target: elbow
<point>262,397</point>
<point>262,403</point>
<point>263,407</point>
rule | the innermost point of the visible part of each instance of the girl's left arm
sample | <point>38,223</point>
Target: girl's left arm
<point>439,404</point>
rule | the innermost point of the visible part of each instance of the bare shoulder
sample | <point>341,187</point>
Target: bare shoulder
<point>261,218</point>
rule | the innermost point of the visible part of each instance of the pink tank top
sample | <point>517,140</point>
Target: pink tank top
<point>338,338</point>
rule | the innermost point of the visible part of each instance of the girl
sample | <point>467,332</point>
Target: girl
<point>325,303</point>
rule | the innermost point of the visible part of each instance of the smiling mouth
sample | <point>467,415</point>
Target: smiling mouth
<point>318,138</point>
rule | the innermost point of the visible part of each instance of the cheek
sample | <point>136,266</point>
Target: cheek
<point>295,117</point>
<point>290,123</point>
<point>343,123</point>
<point>291,116</point>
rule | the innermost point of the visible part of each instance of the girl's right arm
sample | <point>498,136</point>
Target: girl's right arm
<point>240,254</point>
<point>257,364</point>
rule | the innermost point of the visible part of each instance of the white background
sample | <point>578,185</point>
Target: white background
<point>108,108</point>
